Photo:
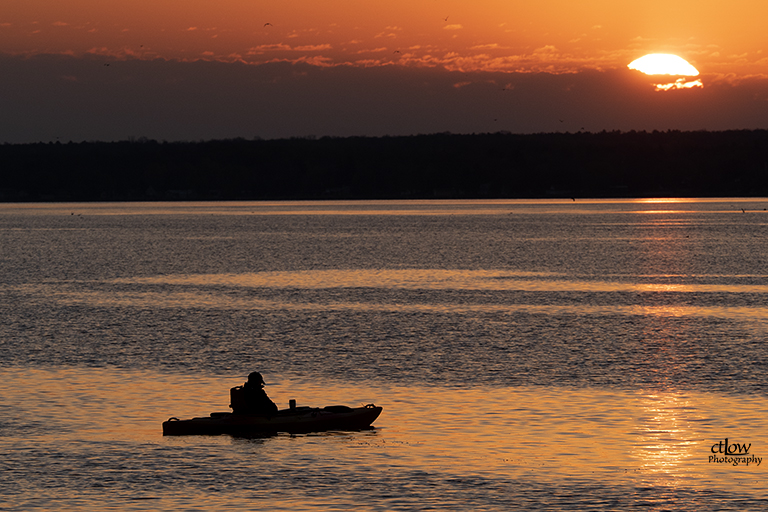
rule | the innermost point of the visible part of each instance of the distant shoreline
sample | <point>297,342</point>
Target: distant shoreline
<point>437,166</point>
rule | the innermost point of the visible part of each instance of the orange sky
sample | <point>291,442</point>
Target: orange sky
<point>719,38</point>
<point>203,69</point>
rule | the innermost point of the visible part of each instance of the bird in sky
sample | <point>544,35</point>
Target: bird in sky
<point>268,23</point>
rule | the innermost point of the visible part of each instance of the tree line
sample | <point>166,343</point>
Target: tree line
<point>444,165</point>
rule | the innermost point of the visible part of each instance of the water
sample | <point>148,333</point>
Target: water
<point>550,355</point>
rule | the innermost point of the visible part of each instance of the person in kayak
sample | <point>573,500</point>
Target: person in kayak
<point>250,398</point>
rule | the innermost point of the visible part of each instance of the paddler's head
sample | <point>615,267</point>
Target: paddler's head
<point>255,379</point>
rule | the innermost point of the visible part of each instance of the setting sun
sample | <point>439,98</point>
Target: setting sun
<point>663,64</point>
<point>666,64</point>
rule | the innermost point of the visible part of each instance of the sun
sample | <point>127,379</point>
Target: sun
<point>663,64</point>
<point>666,64</point>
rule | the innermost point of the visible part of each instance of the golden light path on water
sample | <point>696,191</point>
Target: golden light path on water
<point>213,301</point>
<point>432,279</point>
<point>213,291</point>
<point>550,433</point>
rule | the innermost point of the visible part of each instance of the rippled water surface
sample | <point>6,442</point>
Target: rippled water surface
<point>547,355</point>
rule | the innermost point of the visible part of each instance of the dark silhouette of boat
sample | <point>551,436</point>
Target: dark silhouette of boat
<point>294,420</point>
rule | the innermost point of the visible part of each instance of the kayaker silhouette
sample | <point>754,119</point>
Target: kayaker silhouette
<point>250,398</point>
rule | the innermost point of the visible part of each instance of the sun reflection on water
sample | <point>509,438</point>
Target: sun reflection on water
<point>666,442</point>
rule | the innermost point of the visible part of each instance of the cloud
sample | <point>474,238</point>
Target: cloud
<point>46,96</point>
<point>258,50</point>
<point>455,26</point>
<point>315,60</point>
<point>680,83</point>
<point>488,46</point>
<point>280,47</point>
<point>116,53</point>
<point>482,57</point>
<point>313,48</point>
<point>373,50</point>
<point>369,63</point>
<point>548,50</point>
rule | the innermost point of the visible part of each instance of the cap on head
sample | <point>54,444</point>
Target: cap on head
<point>255,378</point>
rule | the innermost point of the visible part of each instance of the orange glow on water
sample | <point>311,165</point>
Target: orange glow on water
<point>550,433</point>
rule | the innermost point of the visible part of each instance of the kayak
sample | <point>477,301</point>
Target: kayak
<point>295,420</point>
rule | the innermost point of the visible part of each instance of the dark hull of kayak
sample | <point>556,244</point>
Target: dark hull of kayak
<point>294,421</point>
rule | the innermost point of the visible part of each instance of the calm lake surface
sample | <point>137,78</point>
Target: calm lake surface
<point>529,355</point>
